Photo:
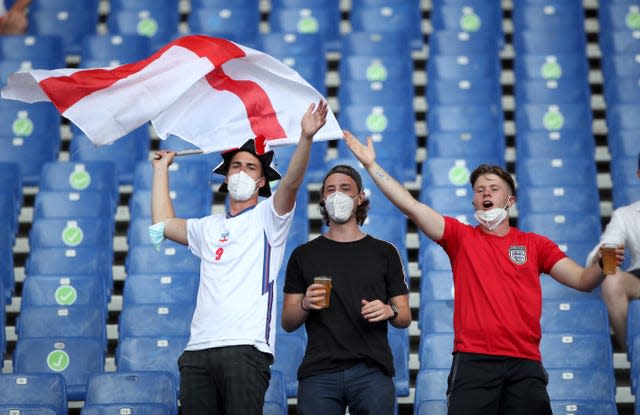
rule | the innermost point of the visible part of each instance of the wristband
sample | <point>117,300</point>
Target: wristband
<point>302,307</point>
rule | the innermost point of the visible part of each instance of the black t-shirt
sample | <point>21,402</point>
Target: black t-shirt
<point>339,337</point>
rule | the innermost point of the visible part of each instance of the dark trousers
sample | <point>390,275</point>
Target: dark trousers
<point>496,385</point>
<point>224,381</point>
<point>365,390</point>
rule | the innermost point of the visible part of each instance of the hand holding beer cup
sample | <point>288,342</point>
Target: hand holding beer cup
<point>612,255</point>
<point>318,295</point>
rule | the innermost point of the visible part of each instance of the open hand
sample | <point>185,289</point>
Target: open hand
<point>365,154</point>
<point>314,119</point>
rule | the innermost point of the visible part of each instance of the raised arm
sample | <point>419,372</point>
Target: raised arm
<point>285,197</point>
<point>426,219</point>
<point>161,205</point>
<point>573,275</point>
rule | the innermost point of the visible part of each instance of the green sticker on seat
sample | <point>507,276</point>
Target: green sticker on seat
<point>22,127</point>
<point>66,295</point>
<point>308,25</point>
<point>79,180</point>
<point>553,120</point>
<point>459,175</point>
<point>58,360</point>
<point>551,71</point>
<point>376,72</point>
<point>470,22</point>
<point>72,235</point>
<point>633,20</point>
<point>147,27</point>
<point>376,122</point>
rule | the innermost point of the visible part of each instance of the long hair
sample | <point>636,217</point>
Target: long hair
<point>361,211</point>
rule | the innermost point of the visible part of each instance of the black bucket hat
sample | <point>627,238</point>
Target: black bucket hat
<point>255,147</point>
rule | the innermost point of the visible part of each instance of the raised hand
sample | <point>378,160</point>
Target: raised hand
<point>365,154</point>
<point>314,119</point>
<point>163,158</point>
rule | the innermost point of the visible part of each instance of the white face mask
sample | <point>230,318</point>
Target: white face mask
<point>241,186</point>
<point>492,218</point>
<point>339,206</point>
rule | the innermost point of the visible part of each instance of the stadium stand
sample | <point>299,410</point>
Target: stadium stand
<point>562,80</point>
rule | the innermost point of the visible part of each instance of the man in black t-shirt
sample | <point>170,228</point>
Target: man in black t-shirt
<point>348,362</point>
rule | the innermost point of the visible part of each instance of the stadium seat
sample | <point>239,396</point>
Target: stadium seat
<point>73,205</point>
<point>290,350</point>
<point>159,22</point>
<point>623,143</point>
<point>625,194</point>
<point>436,285</point>
<point>33,48</point>
<point>375,68</point>
<point>62,322</point>
<point>623,65</point>
<point>431,385</point>
<point>188,174</point>
<point>458,67</point>
<point>436,350</point>
<point>433,258</point>
<point>456,43</point>
<point>74,357</point>
<point>70,233</point>
<point>567,171</point>
<point>70,23</point>
<point>125,152</point>
<point>433,407</point>
<point>451,172</point>
<point>187,202</point>
<point>379,43</point>
<point>555,144</point>
<point>583,316</point>
<point>448,199</point>
<point>275,398</point>
<point>142,4</point>
<point>290,44</point>
<point>67,291</point>
<point>399,344</point>
<point>581,384</point>
<point>615,15</point>
<point>38,120</point>
<point>566,91</point>
<point>30,153</point>
<point>112,50</point>
<point>94,175</point>
<point>7,272</point>
<point>618,42</point>
<point>464,118</point>
<point>559,199</point>
<point>562,227</point>
<point>621,91</point>
<point>145,259</point>
<point>436,316</point>
<point>133,388</point>
<point>165,288</point>
<point>119,409</point>
<point>578,351</point>
<point>555,117</point>
<point>159,353</point>
<point>550,15</point>
<point>553,290</point>
<point>26,409</point>
<point>624,171</point>
<point>583,407</point>
<point>155,320</point>
<point>237,23</point>
<point>392,16</point>
<point>320,18</point>
<point>478,18</point>
<point>34,390</point>
<point>464,144</point>
<point>464,92</point>
<point>551,42</point>
<point>390,92</point>
<point>550,67</point>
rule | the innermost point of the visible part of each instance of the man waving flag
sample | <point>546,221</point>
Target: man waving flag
<point>209,91</point>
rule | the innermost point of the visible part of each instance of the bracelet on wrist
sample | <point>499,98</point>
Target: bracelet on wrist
<point>302,307</point>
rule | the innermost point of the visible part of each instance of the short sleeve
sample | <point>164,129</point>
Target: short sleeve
<point>294,279</point>
<point>195,232</point>
<point>276,226</point>
<point>396,273</point>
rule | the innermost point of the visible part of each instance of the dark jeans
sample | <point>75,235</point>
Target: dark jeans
<point>496,385</point>
<point>226,380</point>
<point>366,390</point>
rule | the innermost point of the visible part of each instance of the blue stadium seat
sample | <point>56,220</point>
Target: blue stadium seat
<point>289,353</point>
<point>464,118</point>
<point>554,117</point>
<point>623,143</point>
<point>471,66</point>
<point>390,92</point>
<point>551,67</point>
<point>74,357</point>
<point>624,65</point>
<point>133,388</point>
<point>550,15</point>
<point>539,171</point>
<point>67,291</point>
<point>34,390</point>
<point>7,273</point>
<point>624,171</point>
<point>555,144</point>
<point>391,17</point>
<point>374,68</point>
<point>27,409</point>
<point>165,288</point>
<point>237,23</point>
<point>275,398</point>
<point>10,199</point>
<point>70,23</point>
<point>399,344</point>
<point>316,168</point>
<point>583,407</point>
<point>559,199</point>
<point>618,42</point>
<point>155,320</point>
<point>433,407</point>
<point>616,15</point>
<point>112,50</point>
<point>158,23</point>
<point>291,44</point>
<point>633,328</point>
<point>566,91</point>
<point>62,233</point>
<point>37,120</point>
<point>625,194</point>
<point>436,316</point>
<point>33,48</point>
<point>576,350</point>
<point>478,18</point>
<point>436,350</point>
<point>576,250</point>
<point>93,175</point>
<point>431,385</point>
<point>450,171</point>
<point>143,4</point>
<point>159,353</point>
<point>563,227</point>
<point>129,408</point>
<point>145,259</point>
<point>448,199</point>
<point>432,257</point>
<point>621,91</point>
<point>581,316</point>
<point>464,144</point>
<point>379,43</point>
<point>464,92</point>
<point>187,203</point>
<point>30,153</point>
<point>320,18</point>
<point>582,384</point>
<point>183,174</point>
<point>436,285</point>
<point>553,290</point>
<point>552,42</point>
<point>62,322</point>
<point>73,205</point>
<point>125,152</point>
<point>456,43</point>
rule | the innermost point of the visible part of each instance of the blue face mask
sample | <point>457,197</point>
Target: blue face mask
<point>156,234</point>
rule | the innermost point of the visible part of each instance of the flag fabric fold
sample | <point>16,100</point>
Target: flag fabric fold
<point>209,91</point>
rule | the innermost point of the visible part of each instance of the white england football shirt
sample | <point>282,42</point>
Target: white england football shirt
<point>240,259</point>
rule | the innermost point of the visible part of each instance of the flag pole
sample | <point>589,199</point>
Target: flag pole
<point>189,152</point>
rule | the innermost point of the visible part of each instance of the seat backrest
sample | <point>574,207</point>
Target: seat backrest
<point>176,258</point>
<point>163,288</point>
<point>45,389</point>
<point>70,233</point>
<point>289,353</point>
<point>56,321</point>
<point>580,350</point>
<point>155,320</point>
<point>275,398</point>
<point>55,290</point>
<point>436,350</point>
<point>119,409</point>
<point>581,384</point>
<point>579,316</point>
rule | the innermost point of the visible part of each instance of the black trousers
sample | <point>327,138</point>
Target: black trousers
<point>224,381</point>
<point>497,385</point>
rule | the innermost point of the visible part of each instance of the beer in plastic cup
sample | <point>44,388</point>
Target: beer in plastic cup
<point>609,261</point>
<point>326,284</point>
